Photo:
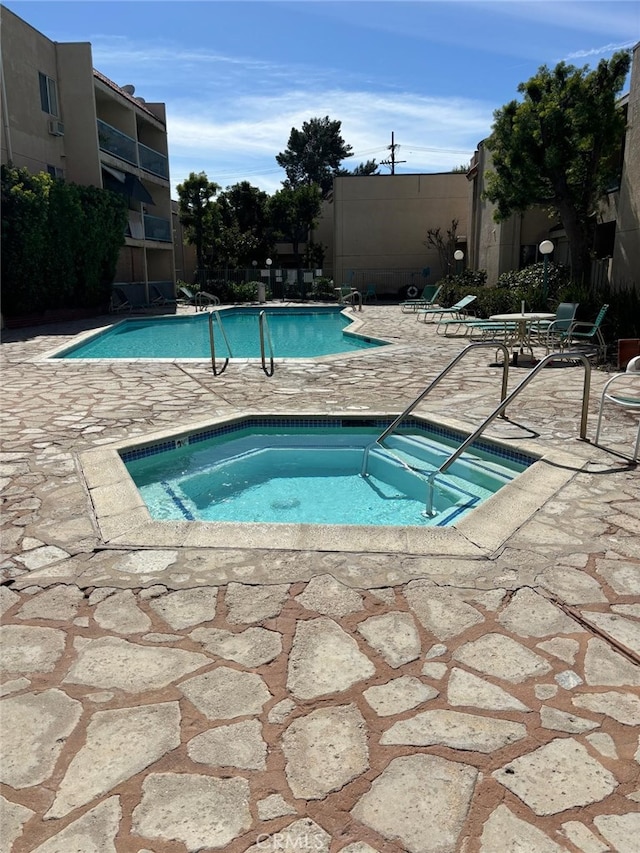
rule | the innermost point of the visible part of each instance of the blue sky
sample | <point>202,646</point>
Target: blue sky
<point>237,76</point>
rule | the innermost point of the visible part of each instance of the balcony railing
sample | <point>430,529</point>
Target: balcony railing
<point>117,143</point>
<point>153,161</point>
<point>156,228</point>
<point>126,148</point>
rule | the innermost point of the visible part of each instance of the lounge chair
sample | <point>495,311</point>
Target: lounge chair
<point>457,311</point>
<point>157,297</point>
<point>199,300</point>
<point>119,301</point>
<point>625,399</point>
<point>427,300</point>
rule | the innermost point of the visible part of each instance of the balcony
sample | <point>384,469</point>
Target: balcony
<point>157,229</point>
<point>153,161</point>
<point>120,145</point>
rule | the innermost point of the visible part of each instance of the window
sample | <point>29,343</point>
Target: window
<point>55,172</point>
<point>48,94</point>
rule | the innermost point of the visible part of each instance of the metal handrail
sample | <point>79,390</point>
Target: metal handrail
<point>428,389</point>
<point>557,356</point>
<point>264,327</point>
<point>212,344</point>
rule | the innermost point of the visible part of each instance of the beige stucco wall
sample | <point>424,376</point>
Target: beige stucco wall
<point>75,84</point>
<point>381,221</point>
<point>626,253</point>
<point>25,52</point>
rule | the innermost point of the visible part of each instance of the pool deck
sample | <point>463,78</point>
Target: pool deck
<point>173,695</point>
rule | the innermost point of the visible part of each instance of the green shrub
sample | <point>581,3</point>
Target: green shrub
<point>60,242</point>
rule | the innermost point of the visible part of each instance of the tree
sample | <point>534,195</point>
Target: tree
<point>313,154</point>
<point>243,233</point>
<point>197,213</point>
<point>445,246</point>
<point>368,168</point>
<point>560,149</point>
<point>293,213</point>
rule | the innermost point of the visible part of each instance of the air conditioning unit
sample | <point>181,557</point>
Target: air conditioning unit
<point>56,128</point>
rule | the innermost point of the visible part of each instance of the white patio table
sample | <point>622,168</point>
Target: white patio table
<point>523,322</point>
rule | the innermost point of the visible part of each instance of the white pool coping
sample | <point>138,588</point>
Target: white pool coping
<point>123,519</point>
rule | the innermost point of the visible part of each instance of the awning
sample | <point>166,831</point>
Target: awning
<point>125,183</point>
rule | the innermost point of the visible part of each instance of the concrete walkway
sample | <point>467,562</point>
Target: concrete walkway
<point>173,699</point>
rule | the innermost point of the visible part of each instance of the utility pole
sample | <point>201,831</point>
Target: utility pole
<point>392,160</point>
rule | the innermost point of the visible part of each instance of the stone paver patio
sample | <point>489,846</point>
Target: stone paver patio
<point>173,699</point>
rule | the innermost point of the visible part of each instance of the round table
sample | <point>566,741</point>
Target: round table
<point>523,323</point>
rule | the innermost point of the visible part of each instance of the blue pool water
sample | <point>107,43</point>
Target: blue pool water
<point>307,475</point>
<point>296,333</point>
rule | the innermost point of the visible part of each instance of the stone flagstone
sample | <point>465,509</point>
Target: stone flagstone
<point>12,818</point>
<point>465,688</point>
<point>553,718</point>
<point>186,607</point>
<point>246,603</point>
<point>324,659</point>
<point>583,838</point>
<point>34,729</point>
<point>394,635</point>
<point>94,832</point>
<point>530,614</point>
<point>113,662</point>
<point>326,595</point>
<point>121,614</point>
<point>398,695</point>
<point>119,744</point>
<point>30,649</point>
<point>252,647</point>
<point>60,603</point>
<point>502,657</point>
<point>621,831</point>
<point>421,801</point>
<point>325,750</point>
<point>440,611</point>
<point>273,806</point>
<point>224,693</point>
<point>604,666</point>
<point>559,775</point>
<point>237,745</point>
<point>507,833</point>
<point>456,730</point>
<point>199,811</point>
<point>625,631</point>
<point>623,707</point>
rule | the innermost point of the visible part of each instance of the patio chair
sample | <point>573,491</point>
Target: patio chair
<point>548,333</point>
<point>580,332</point>
<point>457,311</point>
<point>625,399</point>
<point>370,293</point>
<point>119,301</point>
<point>427,300</point>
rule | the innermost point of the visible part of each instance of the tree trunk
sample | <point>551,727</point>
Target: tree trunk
<point>579,245</point>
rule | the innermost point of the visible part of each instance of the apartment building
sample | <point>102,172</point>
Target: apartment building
<point>61,116</point>
<point>500,247</point>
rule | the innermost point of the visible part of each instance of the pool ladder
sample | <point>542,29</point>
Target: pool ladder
<point>216,370</point>
<point>265,335</point>
<point>498,411</point>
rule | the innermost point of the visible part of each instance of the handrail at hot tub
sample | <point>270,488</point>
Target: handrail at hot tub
<point>392,426</point>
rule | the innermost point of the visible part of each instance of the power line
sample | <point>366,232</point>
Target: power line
<point>392,160</point>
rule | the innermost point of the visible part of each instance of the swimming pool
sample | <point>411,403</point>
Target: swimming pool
<point>296,333</point>
<point>307,471</point>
